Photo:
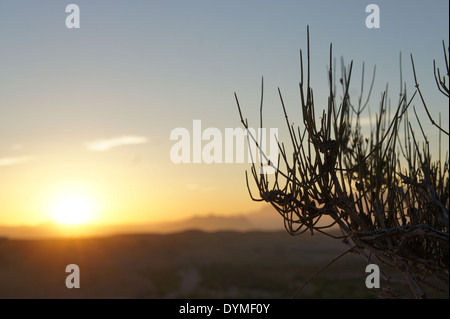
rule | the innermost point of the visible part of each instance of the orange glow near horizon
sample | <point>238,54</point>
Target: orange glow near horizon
<point>88,189</point>
<point>73,207</point>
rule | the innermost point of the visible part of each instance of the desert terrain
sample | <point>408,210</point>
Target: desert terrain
<point>188,264</point>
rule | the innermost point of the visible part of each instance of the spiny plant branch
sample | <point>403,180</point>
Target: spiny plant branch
<point>396,214</point>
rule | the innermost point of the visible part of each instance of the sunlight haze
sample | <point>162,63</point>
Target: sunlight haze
<point>86,114</point>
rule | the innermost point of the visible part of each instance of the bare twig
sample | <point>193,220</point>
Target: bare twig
<point>398,216</point>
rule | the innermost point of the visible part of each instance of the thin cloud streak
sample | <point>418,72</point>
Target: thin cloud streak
<point>102,145</point>
<point>8,161</point>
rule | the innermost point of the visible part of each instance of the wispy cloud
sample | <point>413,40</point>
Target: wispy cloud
<point>101,145</point>
<point>7,161</point>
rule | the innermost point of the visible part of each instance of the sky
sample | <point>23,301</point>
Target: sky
<point>89,111</point>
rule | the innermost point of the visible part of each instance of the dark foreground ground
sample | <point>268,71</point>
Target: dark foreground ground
<point>189,264</point>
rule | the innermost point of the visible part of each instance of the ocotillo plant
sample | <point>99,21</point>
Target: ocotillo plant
<point>388,196</point>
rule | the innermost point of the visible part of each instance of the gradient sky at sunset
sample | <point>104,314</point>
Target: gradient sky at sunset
<point>92,109</point>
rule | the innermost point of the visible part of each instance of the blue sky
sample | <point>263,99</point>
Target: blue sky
<point>143,68</point>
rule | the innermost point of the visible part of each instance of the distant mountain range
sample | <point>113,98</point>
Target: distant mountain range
<point>267,219</point>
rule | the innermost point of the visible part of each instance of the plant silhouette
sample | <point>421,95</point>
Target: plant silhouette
<point>388,196</point>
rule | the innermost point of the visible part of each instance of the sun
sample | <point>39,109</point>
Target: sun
<point>73,208</point>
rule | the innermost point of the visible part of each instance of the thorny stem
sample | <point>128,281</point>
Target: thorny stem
<point>358,182</point>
